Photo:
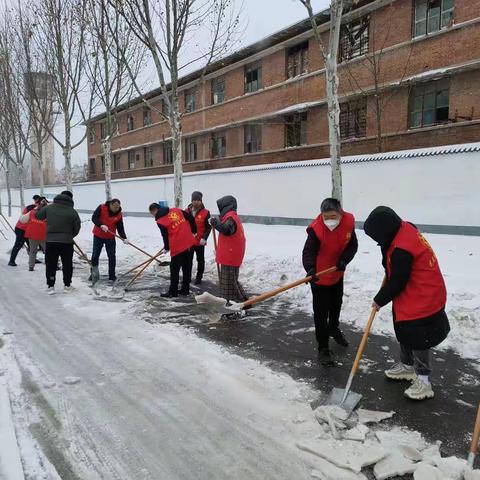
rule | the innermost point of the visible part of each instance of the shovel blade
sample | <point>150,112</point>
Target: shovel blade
<point>335,398</point>
<point>94,275</point>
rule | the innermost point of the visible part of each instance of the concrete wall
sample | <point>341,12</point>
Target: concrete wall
<point>437,190</point>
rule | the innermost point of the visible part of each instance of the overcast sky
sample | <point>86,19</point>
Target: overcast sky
<point>262,18</point>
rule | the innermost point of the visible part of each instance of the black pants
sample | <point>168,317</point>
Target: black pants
<point>418,359</point>
<point>52,252</point>
<point>200,252</point>
<point>181,261</point>
<point>110,247</point>
<point>20,240</point>
<point>327,303</point>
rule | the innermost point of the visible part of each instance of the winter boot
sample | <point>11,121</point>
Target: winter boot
<point>198,281</point>
<point>68,289</point>
<point>11,263</point>
<point>339,338</point>
<point>184,292</point>
<point>325,357</point>
<point>169,294</point>
<point>401,371</point>
<point>51,291</point>
<point>30,269</point>
<point>419,390</point>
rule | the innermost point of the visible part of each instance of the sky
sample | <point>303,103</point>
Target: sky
<point>261,19</point>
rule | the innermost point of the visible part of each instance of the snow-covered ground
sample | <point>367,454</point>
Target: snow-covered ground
<point>101,394</point>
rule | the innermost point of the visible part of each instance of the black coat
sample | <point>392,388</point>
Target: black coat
<point>382,225</point>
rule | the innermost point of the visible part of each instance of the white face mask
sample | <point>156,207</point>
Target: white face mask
<point>331,224</point>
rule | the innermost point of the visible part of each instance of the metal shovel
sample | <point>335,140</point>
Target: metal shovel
<point>475,439</point>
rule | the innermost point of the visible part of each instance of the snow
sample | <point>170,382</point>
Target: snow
<point>144,394</point>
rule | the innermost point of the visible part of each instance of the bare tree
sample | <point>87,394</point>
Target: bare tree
<point>167,29</point>
<point>59,34</point>
<point>330,58</point>
<point>108,54</point>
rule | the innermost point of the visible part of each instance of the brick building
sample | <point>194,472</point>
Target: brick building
<point>409,77</point>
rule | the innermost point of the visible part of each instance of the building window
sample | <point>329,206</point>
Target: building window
<point>91,166</point>
<point>131,159</point>
<point>432,15</point>
<point>219,145</point>
<point>103,131</point>
<point>354,39</point>
<point>296,130</point>
<point>297,60</point>
<point>167,153</point>
<point>253,138</point>
<point>429,104</point>
<point>91,134</point>
<point>102,158</point>
<point>190,100</point>
<point>191,149</point>
<point>130,123</point>
<point>148,157</point>
<point>147,116</point>
<point>116,162</point>
<point>253,78</point>
<point>353,119</point>
<point>218,90</point>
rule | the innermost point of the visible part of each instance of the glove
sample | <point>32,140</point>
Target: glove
<point>125,241</point>
<point>376,306</point>
<point>311,273</point>
<point>203,242</point>
<point>341,265</point>
<point>104,228</point>
<point>213,222</point>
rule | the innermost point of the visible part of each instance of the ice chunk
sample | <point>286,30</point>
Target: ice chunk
<point>357,433</point>
<point>393,438</point>
<point>371,416</point>
<point>425,471</point>
<point>451,467</point>
<point>393,465</point>
<point>410,452</point>
<point>327,471</point>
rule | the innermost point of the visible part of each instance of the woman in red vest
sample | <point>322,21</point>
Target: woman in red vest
<point>107,220</point>
<point>178,230</point>
<point>415,285</point>
<point>35,232</point>
<point>230,250</point>
<point>202,219</point>
<point>331,242</point>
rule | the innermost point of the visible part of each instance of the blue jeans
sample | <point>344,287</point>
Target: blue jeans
<point>110,247</point>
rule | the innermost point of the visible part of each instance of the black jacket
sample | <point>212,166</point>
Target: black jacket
<point>382,225</point>
<point>312,247</point>
<point>208,227</point>
<point>98,223</point>
<point>162,211</point>
<point>63,222</point>
<point>225,205</point>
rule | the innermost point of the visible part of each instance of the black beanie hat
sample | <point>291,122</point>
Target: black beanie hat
<point>67,193</point>
<point>197,196</point>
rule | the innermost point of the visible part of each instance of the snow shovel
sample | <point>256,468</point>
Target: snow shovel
<point>475,439</point>
<point>137,248</point>
<point>143,269</point>
<point>218,304</point>
<point>81,253</point>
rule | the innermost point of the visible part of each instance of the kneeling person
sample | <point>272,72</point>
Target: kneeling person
<point>331,242</point>
<point>107,220</point>
<point>178,229</point>
<point>415,285</point>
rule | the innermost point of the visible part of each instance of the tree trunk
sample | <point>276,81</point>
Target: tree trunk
<point>40,166</point>
<point>107,155</point>
<point>67,154</point>
<point>177,158</point>
<point>336,10</point>
<point>21,186</point>
<point>378,112</point>
<point>9,189</point>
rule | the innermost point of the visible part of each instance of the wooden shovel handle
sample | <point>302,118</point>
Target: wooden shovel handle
<point>8,223</point>
<point>273,293</point>
<point>136,248</point>
<point>82,254</point>
<point>147,264</point>
<point>215,246</point>
<point>476,433</point>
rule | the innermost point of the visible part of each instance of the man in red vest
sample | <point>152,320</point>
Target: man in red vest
<point>202,220</point>
<point>107,220</point>
<point>331,242</point>
<point>20,229</point>
<point>415,285</point>
<point>231,249</point>
<point>35,232</point>
<point>178,230</point>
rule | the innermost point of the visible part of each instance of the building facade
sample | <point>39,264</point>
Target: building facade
<point>409,77</point>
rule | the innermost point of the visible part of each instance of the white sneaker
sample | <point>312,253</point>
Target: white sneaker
<point>68,289</point>
<point>401,372</point>
<point>419,390</point>
<point>51,291</point>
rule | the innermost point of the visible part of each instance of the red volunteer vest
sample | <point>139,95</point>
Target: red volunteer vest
<point>425,293</point>
<point>109,220</point>
<point>231,249</point>
<point>20,225</point>
<point>180,236</point>
<point>36,229</point>
<point>332,245</point>
<point>200,221</point>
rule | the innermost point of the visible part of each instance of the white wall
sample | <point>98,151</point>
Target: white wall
<point>441,189</point>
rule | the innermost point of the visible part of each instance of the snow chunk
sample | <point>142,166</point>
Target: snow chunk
<point>371,416</point>
<point>395,437</point>
<point>472,475</point>
<point>393,465</point>
<point>327,471</point>
<point>451,467</point>
<point>357,433</point>
<point>425,471</point>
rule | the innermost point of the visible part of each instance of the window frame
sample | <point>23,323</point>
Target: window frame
<point>217,151</point>
<point>148,150</point>
<point>116,162</point>
<point>353,119</point>
<point>167,152</point>
<point>103,130</point>
<point>296,124</point>
<point>446,17</point>
<point>130,123</point>
<point>249,69</point>
<point>252,138</point>
<point>215,83</point>
<point>147,116</point>
<point>92,166</point>
<point>190,106</point>
<point>189,143</point>
<point>91,135</point>
<point>361,45</point>
<point>131,156</point>
<point>435,89</point>
<point>300,56</point>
